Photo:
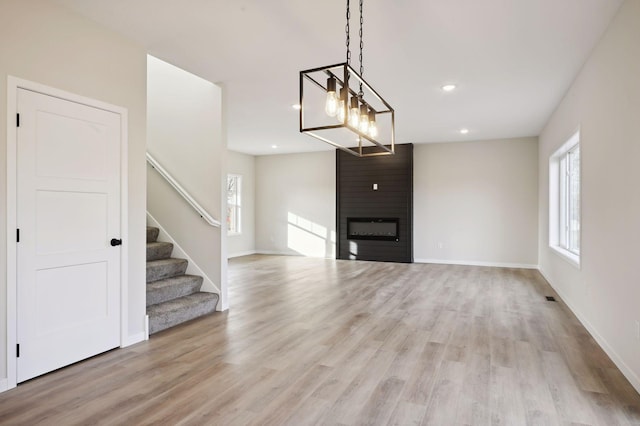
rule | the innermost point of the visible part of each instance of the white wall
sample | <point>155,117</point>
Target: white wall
<point>45,43</point>
<point>476,202</point>
<point>184,129</point>
<point>604,101</point>
<point>244,165</point>
<point>296,204</point>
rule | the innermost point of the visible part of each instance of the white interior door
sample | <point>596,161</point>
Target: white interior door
<point>68,210</point>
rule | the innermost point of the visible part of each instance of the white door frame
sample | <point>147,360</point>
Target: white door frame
<point>13,84</point>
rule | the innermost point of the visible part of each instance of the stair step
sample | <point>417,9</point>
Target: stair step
<point>172,288</point>
<point>159,250</point>
<point>177,311</point>
<point>152,234</point>
<point>165,268</point>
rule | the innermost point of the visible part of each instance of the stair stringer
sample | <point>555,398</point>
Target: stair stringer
<point>208,285</point>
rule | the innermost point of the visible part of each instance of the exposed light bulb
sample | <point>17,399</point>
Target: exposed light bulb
<point>364,124</point>
<point>342,106</point>
<point>331,105</point>
<point>341,109</point>
<point>354,118</point>
<point>449,87</point>
<point>354,113</point>
<point>373,127</point>
<point>364,119</point>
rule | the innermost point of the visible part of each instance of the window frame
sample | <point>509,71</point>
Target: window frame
<point>561,193</point>
<point>237,206</point>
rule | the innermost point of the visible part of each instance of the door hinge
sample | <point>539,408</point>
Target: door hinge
<point>18,235</point>
<point>18,350</point>
<point>17,120</point>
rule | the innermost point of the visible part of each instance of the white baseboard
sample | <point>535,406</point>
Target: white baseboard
<point>289,253</point>
<point>437,261</point>
<point>477,263</point>
<point>146,327</point>
<point>133,339</point>
<point>278,253</point>
<point>241,253</point>
<point>617,360</point>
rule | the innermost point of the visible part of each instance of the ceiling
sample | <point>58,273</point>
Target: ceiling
<point>512,60</point>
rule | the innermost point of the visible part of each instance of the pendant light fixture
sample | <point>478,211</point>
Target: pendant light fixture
<point>339,107</point>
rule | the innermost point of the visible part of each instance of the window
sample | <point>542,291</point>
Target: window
<point>570,200</point>
<point>234,204</point>
<point>564,201</point>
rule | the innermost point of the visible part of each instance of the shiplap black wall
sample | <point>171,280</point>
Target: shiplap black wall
<point>393,199</point>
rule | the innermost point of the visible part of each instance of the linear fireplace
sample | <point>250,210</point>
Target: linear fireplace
<point>372,228</point>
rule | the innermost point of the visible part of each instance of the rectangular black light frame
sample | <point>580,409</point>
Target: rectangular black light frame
<point>347,72</point>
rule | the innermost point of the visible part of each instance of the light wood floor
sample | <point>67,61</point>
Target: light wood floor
<point>313,341</point>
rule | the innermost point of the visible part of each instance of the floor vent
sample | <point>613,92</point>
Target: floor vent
<point>550,298</point>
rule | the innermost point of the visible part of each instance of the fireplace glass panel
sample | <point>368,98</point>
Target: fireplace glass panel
<point>372,229</point>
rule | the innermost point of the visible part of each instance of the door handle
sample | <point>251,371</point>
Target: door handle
<point>115,242</point>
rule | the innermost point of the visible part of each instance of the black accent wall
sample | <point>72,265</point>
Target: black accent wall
<point>356,198</point>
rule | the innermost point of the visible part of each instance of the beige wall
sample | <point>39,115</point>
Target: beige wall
<point>476,202</point>
<point>184,129</point>
<point>185,136</point>
<point>45,43</point>
<point>604,102</point>
<point>479,199</point>
<point>296,204</point>
<point>244,165</point>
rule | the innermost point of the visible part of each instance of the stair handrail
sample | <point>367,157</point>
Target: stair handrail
<point>183,192</point>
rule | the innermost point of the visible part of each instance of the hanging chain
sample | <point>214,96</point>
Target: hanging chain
<point>361,94</point>
<point>347,31</point>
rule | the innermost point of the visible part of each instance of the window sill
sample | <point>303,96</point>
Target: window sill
<point>572,258</point>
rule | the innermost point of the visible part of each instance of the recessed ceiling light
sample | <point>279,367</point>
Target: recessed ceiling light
<point>464,131</point>
<point>274,146</point>
<point>449,87</point>
<point>296,106</point>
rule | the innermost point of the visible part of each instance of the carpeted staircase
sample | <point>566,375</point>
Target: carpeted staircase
<point>172,296</point>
